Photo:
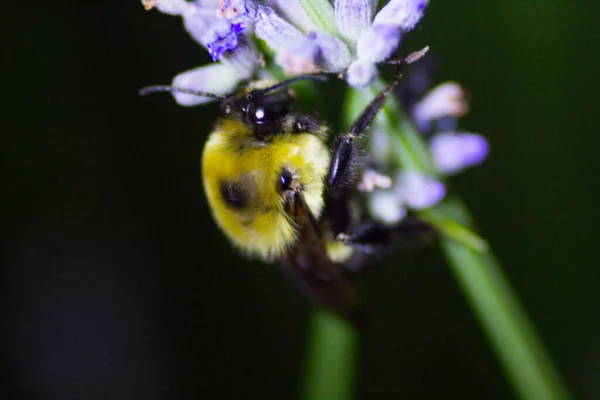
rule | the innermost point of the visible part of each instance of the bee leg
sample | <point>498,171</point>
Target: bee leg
<point>341,172</point>
<point>343,162</point>
<point>409,232</point>
<point>373,241</point>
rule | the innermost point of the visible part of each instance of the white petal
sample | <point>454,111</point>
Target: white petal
<point>213,78</point>
<point>353,17</point>
<point>372,179</point>
<point>385,206</point>
<point>244,58</point>
<point>173,7</point>
<point>274,30</point>
<point>361,73</point>
<point>405,14</point>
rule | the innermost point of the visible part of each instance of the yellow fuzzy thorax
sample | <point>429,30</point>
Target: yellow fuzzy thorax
<point>261,228</point>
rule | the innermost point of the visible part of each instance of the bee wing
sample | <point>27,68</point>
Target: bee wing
<point>323,282</point>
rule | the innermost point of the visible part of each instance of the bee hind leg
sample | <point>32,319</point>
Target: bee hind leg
<point>373,241</point>
<point>372,235</point>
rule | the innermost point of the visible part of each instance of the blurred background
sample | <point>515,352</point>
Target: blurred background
<point>117,284</point>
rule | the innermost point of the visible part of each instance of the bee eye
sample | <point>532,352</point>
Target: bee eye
<point>259,113</point>
<point>285,180</point>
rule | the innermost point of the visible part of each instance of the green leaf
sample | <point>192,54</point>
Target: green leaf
<point>454,230</point>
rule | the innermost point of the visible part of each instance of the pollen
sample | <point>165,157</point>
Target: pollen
<point>149,4</point>
<point>226,10</point>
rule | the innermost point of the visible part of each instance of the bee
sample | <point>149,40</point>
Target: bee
<point>281,194</point>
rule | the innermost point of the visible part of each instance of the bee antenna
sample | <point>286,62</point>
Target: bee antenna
<point>304,77</point>
<point>164,88</point>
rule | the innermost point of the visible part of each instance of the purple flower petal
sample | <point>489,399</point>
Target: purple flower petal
<point>418,191</point>
<point>198,21</point>
<point>378,42</point>
<point>241,13</point>
<point>318,51</point>
<point>453,152</point>
<point>404,14</point>
<point>197,18</point>
<point>275,31</point>
<point>353,17</point>
<point>300,58</point>
<point>445,100</point>
<point>221,37</point>
<point>361,73</point>
<point>334,55</point>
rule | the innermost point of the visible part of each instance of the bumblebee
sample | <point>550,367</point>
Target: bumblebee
<point>279,193</point>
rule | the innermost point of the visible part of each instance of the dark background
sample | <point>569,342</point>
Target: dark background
<point>118,285</point>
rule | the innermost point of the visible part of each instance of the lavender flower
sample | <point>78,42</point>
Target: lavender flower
<point>354,43</point>
<point>451,152</point>
<point>444,100</point>
<point>411,191</point>
<point>222,28</point>
<point>352,38</point>
<point>454,151</point>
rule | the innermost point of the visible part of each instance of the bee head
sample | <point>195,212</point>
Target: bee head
<point>250,105</point>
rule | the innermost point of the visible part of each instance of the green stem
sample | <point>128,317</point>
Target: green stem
<point>330,370</point>
<point>495,304</point>
<point>331,364</point>
<point>454,230</point>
